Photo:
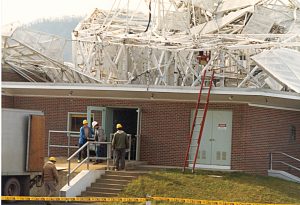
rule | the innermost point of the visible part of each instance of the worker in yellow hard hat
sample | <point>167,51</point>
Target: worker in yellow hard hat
<point>50,177</point>
<point>86,133</point>
<point>119,144</point>
<point>52,159</point>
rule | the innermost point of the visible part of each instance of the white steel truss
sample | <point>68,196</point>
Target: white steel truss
<point>174,42</point>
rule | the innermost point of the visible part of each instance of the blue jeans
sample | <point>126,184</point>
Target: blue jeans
<point>100,152</point>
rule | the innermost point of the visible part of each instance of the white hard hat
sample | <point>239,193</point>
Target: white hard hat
<point>94,123</point>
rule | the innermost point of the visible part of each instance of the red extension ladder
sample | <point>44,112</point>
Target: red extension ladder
<point>202,121</point>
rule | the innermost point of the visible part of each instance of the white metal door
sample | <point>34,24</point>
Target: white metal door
<point>204,154</point>
<point>215,145</point>
<point>221,138</point>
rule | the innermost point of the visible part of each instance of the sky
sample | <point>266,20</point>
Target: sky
<point>26,11</point>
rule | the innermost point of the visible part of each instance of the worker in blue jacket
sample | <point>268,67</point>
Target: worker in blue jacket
<point>85,134</point>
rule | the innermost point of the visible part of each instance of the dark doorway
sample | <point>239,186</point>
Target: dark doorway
<point>128,118</point>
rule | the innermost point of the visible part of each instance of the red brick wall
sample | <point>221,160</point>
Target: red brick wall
<point>267,130</point>
<point>165,127</point>
<point>7,101</point>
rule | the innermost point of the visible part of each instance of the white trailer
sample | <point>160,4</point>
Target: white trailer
<point>23,145</point>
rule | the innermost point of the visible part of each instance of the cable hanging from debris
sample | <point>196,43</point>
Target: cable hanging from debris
<point>149,16</point>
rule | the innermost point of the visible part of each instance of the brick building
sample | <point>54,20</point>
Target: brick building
<point>242,127</point>
<point>148,78</point>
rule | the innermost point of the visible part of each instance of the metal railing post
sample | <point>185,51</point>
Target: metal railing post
<point>129,152</point>
<point>69,171</point>
<point>49,143</point>
<point>108,156</point>
<point>271,161</point>
<point>68,134</point>
<point>88,156</point>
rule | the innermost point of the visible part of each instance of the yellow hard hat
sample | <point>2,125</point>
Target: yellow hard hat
<point>119,126</point>
<point>52,159</point>
<point>84,122</point>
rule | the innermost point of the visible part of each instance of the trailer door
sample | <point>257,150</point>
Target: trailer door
<point>35,143</point>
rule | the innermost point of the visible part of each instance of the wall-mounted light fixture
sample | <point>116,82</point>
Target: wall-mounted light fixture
<point>152,96</point>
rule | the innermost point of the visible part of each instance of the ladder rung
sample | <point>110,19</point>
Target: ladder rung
<point>200,118</point>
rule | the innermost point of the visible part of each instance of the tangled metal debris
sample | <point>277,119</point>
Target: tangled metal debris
<point>250,43</point>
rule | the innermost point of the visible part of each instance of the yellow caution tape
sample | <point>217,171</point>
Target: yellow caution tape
<point>116,199</point>
<point>73,199</point>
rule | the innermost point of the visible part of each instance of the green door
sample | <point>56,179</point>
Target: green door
<point>221,138</point>
<point>215,145</point>
<point>204,154</point>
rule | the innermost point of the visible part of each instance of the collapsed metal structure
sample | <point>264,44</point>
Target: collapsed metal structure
<point>251,43</point>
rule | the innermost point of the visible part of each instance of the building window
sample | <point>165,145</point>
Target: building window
<point>75,120</point>
<point>292,133</point>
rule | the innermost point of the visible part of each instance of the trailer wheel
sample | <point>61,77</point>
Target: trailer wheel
<point>12,187</point>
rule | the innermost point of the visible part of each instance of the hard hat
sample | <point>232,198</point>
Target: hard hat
<point>52,159</point>
<point>84,122</point>
<point>94,123</point>
<point>119,126</point>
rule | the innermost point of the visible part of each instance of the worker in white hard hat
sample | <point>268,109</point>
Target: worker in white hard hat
<point>119,144</point>
<point>86,133</point>
<point>99,137</point>
<point>50,177</point>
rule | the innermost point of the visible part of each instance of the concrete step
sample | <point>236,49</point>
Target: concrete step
<point>109,186</point>
<point>132,165</point>
<point>283,175</point>
<point>98,194</point>
<point>102,190</point>
<point>124,173</point>
<point>113,181</point>
<point>118,177</point>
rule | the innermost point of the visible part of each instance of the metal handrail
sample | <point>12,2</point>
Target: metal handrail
<point>287,164</point>
<point>69,135</point>
<point>87,159</point>
<point>287,155</point>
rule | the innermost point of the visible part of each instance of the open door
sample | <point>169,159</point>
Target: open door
<point>90,109</point>
<point>36,143</point>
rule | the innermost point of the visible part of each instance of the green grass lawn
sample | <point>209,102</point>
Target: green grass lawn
<point>238,187</point>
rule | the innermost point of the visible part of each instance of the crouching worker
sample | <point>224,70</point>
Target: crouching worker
<point>50,177</point>
<point>119,145</point>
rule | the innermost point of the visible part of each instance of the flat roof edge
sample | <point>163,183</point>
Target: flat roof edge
<point>147,89</point>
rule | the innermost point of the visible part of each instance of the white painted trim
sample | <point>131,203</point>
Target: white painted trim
<point>110,98</point>
<point>213,167</point>
<point>157,89</point>
<point>273,107</point>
